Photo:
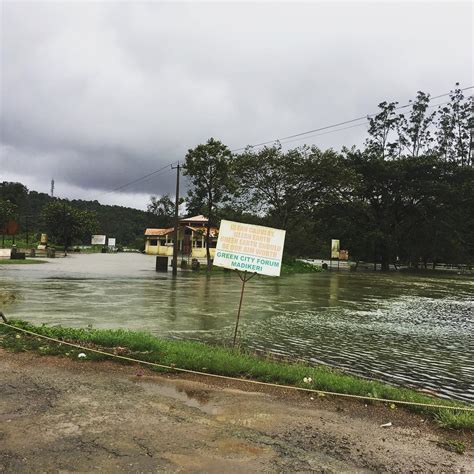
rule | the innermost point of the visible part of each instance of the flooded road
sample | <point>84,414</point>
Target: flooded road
<point>405,329</point>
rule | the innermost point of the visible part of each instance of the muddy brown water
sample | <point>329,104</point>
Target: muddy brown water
<point>405,329</point>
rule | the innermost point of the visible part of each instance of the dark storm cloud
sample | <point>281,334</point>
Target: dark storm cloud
<point>97,94</point>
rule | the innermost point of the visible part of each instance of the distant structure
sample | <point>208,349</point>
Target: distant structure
<point>191,239</point>
<point>52,187</point>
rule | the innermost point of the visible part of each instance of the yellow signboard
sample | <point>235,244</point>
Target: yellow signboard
<point>251,248</point>
<point>335,247</point>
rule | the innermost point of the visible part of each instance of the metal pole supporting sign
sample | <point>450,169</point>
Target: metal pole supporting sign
<point>250,250</point>
<point>245,278</point>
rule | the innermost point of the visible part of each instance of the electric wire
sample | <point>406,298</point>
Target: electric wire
<point>344,128</point>
<point>287,139</point>
<point>141,178</point>
<point>365,117</point>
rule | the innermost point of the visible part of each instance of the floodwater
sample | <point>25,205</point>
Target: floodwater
<point>405,329</point>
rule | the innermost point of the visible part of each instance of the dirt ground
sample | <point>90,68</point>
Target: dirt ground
<point>58,415</point>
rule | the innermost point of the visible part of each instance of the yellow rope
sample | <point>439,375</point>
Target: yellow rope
<point>235,379</point>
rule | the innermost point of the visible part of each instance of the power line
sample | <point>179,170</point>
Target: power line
<point>287,139</point>
<point>167,169</point>
<point>141,178</point>
<point>346,128</point>
<point>365,117</point>
<point>324,133</point>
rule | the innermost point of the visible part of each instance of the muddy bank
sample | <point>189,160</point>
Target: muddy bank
<point>57,414</point>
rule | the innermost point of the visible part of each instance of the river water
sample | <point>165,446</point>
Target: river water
<point>405,329</point>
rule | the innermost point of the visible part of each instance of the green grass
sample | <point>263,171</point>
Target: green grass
<point>289,267</point>
<point>225,361</point>
<point>20,242</point>
<point>26,261</point>
<point>453,445</point>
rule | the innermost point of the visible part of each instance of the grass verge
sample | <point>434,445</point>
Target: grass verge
<point>289,266</point>
<point>26,261</point>
<point>223,361</point>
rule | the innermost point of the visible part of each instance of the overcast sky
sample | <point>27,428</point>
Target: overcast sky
<point>99,94</point>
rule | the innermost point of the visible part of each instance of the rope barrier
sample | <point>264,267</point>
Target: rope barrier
<point>236,379</point>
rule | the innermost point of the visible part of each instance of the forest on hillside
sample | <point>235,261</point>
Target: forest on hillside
<point>124,223</point>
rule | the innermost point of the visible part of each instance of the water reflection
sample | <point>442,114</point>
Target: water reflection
<point>7,297</point>
<point>334,289</point>
<point>173,312</point>
<point>401,328</point>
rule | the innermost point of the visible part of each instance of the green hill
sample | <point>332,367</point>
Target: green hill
<point>126,224</point>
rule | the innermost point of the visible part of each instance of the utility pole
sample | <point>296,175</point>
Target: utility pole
<point>176,222</point>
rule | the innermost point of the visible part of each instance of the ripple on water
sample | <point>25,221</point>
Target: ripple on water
<point>404,329</point>
<point>425,344</point>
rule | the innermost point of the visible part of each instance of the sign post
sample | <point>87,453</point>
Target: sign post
<point>250,250</point>
<point>335,248</point>
<point>244,279</point>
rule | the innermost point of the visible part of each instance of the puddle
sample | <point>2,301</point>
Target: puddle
<point>194,398</point>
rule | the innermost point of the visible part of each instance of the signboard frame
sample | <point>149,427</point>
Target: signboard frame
<point>249,250</point>
<point>248,247</point>
<point>98,239</point>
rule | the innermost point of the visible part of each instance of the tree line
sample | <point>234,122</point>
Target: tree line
<point>407,196</point>
<point>69,222</point>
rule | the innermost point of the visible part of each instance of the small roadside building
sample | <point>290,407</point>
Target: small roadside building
<point>191,239</point>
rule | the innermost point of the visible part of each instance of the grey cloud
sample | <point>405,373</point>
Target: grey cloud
<point>102,93</point>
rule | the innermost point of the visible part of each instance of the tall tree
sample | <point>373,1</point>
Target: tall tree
<point>414,130</point>
<point>65,223</point>
<point>163,208</point>
<point>8,211</point>
<point>453,127</point>
<point>208,169</point>
<point>16,193</point>
<point>383,131</point>
<point>273,182</point>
